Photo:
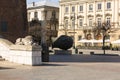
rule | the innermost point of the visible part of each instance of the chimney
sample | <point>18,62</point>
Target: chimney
<point>33,3</point>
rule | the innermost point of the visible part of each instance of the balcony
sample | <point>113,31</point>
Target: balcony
<point>88,27</point>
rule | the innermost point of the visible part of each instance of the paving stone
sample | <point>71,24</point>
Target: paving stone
<point>62,70</point>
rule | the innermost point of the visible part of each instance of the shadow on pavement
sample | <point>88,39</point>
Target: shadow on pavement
<point>85,58</point>
<point>106,54</point>
<point>3,68</point>
<point>49,64</point>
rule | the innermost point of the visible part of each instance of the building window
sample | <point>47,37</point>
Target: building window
<point>4,26</point>
<point>99,6</point>
<point>35,14</point>
<point>66,24</point>
<point>90,7</point>
<point>108,5</point>
<point>53,14</point>
<point>73,8</point>
<point>81,8</point>
<point>108,21</point>
<point>79,37</point>
<point>73,24</point>
<point>90,22</point>
<point>99,22</point>
<point>81,22</point>
<point>66,9</point>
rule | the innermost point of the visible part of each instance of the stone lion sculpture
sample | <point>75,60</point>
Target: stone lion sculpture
<point>28,40</point>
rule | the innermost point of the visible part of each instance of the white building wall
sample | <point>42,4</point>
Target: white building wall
<point>113,13</point>
<point>39,14</point>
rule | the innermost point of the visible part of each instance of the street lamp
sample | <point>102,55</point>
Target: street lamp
<point>73,25</point>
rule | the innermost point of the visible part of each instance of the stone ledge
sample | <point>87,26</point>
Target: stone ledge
<point>63,52</point>
<point>23,54</point>
<point>25,48</point>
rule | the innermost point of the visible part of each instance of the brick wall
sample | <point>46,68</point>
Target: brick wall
<point>13,19</point>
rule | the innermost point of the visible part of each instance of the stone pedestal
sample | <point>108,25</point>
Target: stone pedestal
<point>63,52</point>
<point>23,54</point>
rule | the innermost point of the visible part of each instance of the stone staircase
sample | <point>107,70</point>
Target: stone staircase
<point>1,59</point>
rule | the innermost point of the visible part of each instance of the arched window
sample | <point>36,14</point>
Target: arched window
<point>108,20</point>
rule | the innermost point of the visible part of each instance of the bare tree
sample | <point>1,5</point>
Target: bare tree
<point>35,30</point>
<point>105,29</point>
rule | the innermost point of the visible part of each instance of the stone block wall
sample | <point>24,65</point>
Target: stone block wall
<point>28,55</point>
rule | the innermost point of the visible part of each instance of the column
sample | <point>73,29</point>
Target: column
<point>113,11</point>
<point>85,14</point>
<point>116,12</point>
<point>60,17</point>
<point>69,20</point>
<point>104,8</point>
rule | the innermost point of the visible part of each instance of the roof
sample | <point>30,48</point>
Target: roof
<point>43,3</point>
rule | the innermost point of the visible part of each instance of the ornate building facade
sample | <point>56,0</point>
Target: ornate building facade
<point>45,10</point>
<point>13,19</point>
<point>79,18</point>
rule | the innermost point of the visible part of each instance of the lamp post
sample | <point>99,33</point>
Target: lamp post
<point>65,26</point>
<point>73,25</point>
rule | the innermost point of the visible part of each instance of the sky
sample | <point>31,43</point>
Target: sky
<point>30,1</point>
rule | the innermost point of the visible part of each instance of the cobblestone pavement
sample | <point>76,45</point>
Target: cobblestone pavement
<point>80,70</point>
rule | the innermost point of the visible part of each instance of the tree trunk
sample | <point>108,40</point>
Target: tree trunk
<point>104,44</point>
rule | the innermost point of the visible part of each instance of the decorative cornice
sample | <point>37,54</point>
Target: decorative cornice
<point>99,15</point>
<point>90,15</point>
<point>65,17</point>
<point>108,14</point>
<point>80,16</point>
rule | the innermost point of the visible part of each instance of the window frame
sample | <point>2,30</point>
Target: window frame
<point>90,7</point>
<point>99,6</point>
<point>108,20</point>
<point>108,5</point>
<point>73,24</point>
<point>73,9</point>
<point>81,8</point>
<point>66,9</point>
<point>35,14</point>
<point>80,22</point>
<point>99,21</point>
<point>90,24</point>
